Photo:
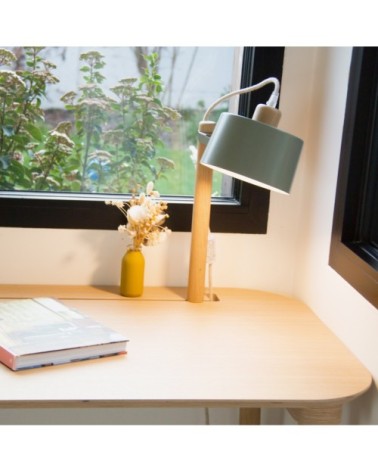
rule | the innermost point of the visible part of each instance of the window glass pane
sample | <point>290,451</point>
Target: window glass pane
<point>128,116</point>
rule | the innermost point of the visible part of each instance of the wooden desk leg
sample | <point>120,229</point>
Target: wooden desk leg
<point>314,416</point>
<point>249,416</point>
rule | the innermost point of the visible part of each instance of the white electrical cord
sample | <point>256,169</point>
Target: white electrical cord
<point>210,258</point>
<point>272,102</point>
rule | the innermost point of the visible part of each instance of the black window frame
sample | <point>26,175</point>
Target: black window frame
<point>353,250</point>
<point>246,211</point>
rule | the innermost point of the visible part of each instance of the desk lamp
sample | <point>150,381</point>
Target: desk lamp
<point>252,150</point>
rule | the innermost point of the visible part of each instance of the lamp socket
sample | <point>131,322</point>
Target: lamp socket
<point>267,115</point>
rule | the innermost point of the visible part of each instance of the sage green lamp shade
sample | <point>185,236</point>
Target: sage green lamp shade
<point>254,152</point>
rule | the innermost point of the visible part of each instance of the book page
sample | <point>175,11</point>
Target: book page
<point>21,319</point>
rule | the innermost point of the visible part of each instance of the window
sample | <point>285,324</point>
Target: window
<point>244,209</point>
<point>354,244</point>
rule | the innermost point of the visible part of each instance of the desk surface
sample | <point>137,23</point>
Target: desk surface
<point>249,349</point>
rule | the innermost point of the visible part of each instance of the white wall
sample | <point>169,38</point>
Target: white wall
<point>340,306</point>
<point>291,259</point>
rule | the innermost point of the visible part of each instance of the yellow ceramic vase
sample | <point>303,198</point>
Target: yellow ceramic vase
<point>132,273</point>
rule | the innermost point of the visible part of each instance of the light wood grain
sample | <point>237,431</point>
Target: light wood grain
<point>324,415</point>
<point>81,292</point>
<point>250,350</point>
<point>200,223</point>
<point>249,416</point>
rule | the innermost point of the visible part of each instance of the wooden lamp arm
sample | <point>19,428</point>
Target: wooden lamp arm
<point>200,223</point>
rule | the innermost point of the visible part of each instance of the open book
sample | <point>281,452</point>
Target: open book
<point>42,331</point>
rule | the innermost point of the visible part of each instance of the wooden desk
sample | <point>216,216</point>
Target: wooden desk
<point>249,350</point>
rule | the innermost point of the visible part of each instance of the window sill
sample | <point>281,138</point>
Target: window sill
<point>248,214</point>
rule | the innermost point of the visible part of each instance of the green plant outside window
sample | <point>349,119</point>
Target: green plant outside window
<point>111,139</point>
